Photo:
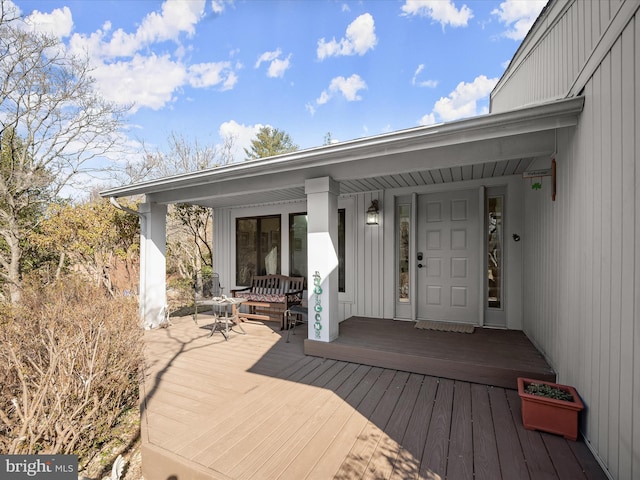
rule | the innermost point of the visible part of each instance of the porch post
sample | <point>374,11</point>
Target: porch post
<point>153,241</point>
<point>322,258</point>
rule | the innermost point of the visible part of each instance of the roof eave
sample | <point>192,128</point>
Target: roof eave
<point>557,114</point>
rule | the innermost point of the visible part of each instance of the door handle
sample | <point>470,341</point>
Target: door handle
<point>420,265</point>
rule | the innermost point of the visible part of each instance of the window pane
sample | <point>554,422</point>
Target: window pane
<point>246,251</point>
<point>341,249</point>
<point>257,247</point>
<point>298,244</point>
<point>494,259</point>
<point>269,247</point>
<point>404,220</point>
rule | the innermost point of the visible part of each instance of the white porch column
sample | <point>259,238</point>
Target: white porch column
<point>322,257</point>
<point>153,270</point>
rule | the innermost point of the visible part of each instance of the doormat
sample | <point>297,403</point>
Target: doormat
<point>445,327</point>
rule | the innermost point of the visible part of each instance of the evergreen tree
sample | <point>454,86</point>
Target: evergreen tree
<point>269,142</point>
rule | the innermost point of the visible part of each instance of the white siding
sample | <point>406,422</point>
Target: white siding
<point>582,258</point>
<point>549,61</point>
<point>364,247</point>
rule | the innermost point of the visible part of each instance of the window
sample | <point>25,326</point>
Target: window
<point>404,224</point>
<point>257,247</point>
<point>494,255</point>
<point>298,246</point>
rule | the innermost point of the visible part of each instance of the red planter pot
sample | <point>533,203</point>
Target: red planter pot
<point>548,414</point>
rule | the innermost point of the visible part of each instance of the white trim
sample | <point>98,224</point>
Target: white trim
<point>284,209</point>
<point>383,154</point>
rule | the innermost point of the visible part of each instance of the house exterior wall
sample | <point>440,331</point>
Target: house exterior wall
<point>563,43</point>
<point>582,252</point>
<point>364,250</point>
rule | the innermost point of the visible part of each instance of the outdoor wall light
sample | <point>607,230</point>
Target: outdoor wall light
<point>373,213</point>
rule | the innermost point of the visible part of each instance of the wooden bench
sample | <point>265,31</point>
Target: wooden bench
<point>270,291</point>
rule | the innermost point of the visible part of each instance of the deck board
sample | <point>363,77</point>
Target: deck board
<point>485,451</point>
<point>407,464</point>
<point>434,457</point>
<point>489,356</point>
<point>460,461</point>
<point>257,407</point>
<point>512,461</point>
<point>384,457</point>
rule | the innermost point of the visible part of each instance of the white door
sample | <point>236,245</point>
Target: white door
<point>448,258</point>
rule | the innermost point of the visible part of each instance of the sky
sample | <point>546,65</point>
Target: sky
<point>207,70</point>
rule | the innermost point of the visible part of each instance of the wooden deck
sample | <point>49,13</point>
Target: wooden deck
<point>487,356</point>
<point>256,407</point>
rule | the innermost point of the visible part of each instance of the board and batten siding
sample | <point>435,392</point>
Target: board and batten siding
<point>582,259</point>
<point>369,267</point>
<point>559,48</point>
<point>364,250</point>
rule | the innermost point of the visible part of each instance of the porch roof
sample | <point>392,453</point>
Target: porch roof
<point>491,145</point>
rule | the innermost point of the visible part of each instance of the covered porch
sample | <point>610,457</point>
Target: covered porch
<point>257,407</point>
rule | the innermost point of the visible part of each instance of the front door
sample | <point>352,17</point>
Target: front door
<point>448,257</point>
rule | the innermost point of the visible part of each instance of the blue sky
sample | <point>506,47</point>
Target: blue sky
<point>211,69</point>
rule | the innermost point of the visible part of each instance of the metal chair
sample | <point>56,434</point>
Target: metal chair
<point>292,315</point>
<point>205,289</point>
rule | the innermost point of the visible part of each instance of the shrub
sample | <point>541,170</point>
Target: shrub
<point>70,363</point>
<point>548,391</point>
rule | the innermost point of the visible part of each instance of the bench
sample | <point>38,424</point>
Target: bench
<point>270,291</point>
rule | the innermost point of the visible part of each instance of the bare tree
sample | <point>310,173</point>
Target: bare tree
<point>189,228</point>
<point>52,125</point>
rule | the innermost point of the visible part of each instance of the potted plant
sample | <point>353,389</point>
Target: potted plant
<point>550,407</point>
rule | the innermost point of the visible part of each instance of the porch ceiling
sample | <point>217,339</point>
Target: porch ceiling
<point>482,147</point>
<point>381,182</point>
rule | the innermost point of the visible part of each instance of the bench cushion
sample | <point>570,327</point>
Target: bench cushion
<point>268,297</point>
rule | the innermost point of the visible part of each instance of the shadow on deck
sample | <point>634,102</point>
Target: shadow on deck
<point>257,407</point>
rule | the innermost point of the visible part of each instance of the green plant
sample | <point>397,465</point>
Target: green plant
<point>548,391</point>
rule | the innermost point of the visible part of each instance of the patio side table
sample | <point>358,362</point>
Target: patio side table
<point>221,323</point>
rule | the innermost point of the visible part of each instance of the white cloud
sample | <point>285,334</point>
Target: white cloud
<point>267,57</point>
<point>241,135</point>
<point>462,102</point>
<point>58,23</point>
<point>422,83</point>
<point>442,11</point>
<point>277,65</point>
<point>310,107</point>
<point>218,5</point>
<point>127,73</point>
<point>148,81</point>
<point>204,75</point>
<point>518,16</point>
<point>360,37</point>
<point>348,87</point>
<point>176,17</point>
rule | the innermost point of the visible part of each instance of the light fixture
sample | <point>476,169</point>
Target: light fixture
<point>373,213</point>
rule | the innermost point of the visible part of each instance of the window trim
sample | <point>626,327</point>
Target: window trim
<point>346,202</point>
